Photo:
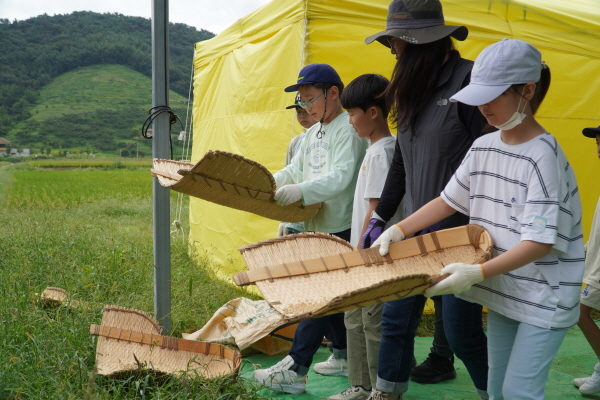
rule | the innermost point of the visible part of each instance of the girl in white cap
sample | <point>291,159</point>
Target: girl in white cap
<point>517,183</point>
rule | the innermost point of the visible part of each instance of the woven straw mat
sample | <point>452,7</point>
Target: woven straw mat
<point>315,294</point>
<point>115,356</point>
<point>232,181</point>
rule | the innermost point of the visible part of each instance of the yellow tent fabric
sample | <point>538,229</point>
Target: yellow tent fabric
<point>239,102</point>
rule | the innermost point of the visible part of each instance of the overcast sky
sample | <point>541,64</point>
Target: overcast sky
<point>212,15</point>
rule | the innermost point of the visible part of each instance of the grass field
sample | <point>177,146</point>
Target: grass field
<point>94,87</point>
<point>90,232</point>
<point>87,163</point>
<point>55,190</point>
<point>94,109</point>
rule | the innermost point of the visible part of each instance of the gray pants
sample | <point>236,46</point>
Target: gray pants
<point>363,332</point>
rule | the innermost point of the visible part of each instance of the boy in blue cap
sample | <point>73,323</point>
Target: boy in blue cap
<point>323,171</point>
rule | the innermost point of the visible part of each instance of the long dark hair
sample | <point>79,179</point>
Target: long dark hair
<point>415,78</point>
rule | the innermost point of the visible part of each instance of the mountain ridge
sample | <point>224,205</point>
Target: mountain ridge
<point>80,113</point>
<point>39,50</point>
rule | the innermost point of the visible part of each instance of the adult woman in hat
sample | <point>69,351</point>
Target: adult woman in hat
<point>433,137</point>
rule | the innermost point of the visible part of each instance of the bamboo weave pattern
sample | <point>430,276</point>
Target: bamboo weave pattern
<point>232,181</point>
<point>130,339</point>
<point>303,275</point>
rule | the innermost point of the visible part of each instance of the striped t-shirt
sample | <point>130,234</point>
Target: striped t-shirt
<point>525,192</point>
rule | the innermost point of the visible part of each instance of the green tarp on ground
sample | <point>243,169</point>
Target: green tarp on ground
<point>575,359</point>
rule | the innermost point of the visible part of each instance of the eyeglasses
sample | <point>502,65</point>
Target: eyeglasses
<point>390,42</point>
<point>309,103</point>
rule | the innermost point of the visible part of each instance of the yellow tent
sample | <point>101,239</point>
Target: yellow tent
<point>239,102</point>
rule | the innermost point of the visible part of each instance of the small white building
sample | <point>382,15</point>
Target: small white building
<point>22,153</point>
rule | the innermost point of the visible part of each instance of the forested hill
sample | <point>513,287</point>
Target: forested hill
<point>35,51</point>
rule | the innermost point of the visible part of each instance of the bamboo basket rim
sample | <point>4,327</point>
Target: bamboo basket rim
<point>120,349</point>
<point>445,243</point>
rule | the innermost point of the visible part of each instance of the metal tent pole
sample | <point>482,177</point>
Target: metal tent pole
<point>160,149</point>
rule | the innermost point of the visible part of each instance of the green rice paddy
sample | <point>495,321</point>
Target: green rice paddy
<point>89,231</point>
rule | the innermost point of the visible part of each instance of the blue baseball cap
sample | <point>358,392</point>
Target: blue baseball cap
<point>315,73</point>
<point>498,67</point>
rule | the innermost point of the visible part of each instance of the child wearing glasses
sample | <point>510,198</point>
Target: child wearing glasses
<point>286,228</point>
<point>323,171</point>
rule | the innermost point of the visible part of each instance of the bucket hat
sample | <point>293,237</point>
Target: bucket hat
<point>497,68</point>
<point>315,73</point>
<point>591,132</point>
<point>417,22</point>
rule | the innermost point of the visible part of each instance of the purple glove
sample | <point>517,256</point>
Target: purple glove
<point>374,230</point>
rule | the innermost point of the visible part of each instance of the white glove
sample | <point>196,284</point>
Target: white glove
<point>462,277</point>
<point>288,194</point>
<point>391,235</point>
<point>282,230</point>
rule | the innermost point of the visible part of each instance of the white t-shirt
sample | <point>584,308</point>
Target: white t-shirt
<point>370,183</point>
<point>326,169</point>
<point>592,256</point>
<point>525,192</point>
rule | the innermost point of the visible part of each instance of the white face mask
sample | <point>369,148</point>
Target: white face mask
<point>516,118</point>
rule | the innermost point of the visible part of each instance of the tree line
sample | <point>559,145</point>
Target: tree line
<point>35,51</point>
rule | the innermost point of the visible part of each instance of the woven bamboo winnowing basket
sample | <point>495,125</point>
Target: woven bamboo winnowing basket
<point>232,181</point>
<point>130,339</point>
<point>55,297</point>
<point>307,275</point>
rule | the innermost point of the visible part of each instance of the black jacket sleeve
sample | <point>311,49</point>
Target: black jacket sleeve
<point>395,187</point>
<point>473,120</point>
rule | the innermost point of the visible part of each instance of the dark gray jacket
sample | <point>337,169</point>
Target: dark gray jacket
<point>426,158</point>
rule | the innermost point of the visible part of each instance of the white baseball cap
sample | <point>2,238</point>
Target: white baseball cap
<point>497,68</point>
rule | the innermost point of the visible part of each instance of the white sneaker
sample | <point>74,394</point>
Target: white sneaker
<point>332,367</point>
<point>352,393</point>
<point>379,395</point>
<point>280,379</point>
<point>580,381</point>
<point>592,385</point>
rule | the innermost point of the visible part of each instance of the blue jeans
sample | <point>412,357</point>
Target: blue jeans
<point>464,331</point>
<point>309,335</point>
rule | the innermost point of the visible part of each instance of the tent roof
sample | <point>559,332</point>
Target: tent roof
<point>552,24</point>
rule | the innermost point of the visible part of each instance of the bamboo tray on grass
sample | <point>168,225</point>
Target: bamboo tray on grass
<point>129,340</point>
<point>232,181</point>
<point>314,274</point>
